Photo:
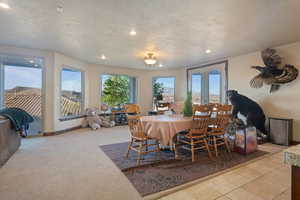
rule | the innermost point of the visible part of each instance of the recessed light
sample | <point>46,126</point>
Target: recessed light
<point>132,32</point>
<point>60,9</point>
<point>4,5</point>
<point>103,57</point>
<point>160,65</point>
<point>208,51</point>
<point>31,61</point>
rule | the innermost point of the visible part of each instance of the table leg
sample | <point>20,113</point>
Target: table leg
<point>295,183</point>
<point>174,147</point>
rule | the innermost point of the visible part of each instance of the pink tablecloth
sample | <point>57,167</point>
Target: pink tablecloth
<point>165,127</point>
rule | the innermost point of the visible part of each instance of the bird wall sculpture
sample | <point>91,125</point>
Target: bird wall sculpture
<point>274,73</point>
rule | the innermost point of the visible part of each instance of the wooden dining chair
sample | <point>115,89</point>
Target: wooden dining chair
<point>195,139</point>
<point>132,109</point>
<point>201,110</point>
<point>139,139</point>
<point>162,107</point>
<point>213,109</point>
<point>216,133</point>
<point>224,109</point>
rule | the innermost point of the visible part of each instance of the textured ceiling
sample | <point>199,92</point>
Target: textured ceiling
<point>179,31</point>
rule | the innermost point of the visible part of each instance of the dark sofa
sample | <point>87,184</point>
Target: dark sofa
<point>10,140</point>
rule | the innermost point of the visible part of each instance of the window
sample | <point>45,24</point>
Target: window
<point>196,88</point>
<point>214,82</point>
<point>117,90</point>
<point>208,83</point>
<point>21,87</point>
<point>72,94</point>
<point>164,89</point>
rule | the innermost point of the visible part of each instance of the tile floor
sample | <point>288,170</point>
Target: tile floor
<point>264,179</point>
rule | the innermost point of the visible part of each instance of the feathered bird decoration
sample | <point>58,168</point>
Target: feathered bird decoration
<point>273,73</point>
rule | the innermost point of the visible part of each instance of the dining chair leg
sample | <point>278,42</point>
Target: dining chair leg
<point>211,142</point>
<point>192,149</point>
<point>176,146</point>
<point>158,149</point>
<point>139,153</point>
<point>215,145</point>
<point>227,145</point>
<point>207,148</point>
<point>129,147</point>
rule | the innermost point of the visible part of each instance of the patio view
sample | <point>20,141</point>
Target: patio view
<point>23,89</point>
<point>71,93</point>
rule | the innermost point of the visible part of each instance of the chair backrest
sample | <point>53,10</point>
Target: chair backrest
<point>104,107</point>
<point>201,110</point>
<point>135,127</point>
<point>221,122</point>
<point>224,110</point>
<point>200,124</point>
<point>132,108</point>
<point>213,108</point>
<point>163,106</point>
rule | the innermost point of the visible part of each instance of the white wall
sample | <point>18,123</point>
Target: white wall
<point>61,61</point>
<point>51,80</point>
<point>95,80</point>
<point>144,78</point>
<point>180,86</point>
<point>283,103</point>
<point>48,79</point>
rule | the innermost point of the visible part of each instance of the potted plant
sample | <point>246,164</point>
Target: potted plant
<point>188,105</point>
<point>157,93</point>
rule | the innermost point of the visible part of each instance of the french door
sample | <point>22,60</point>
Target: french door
<point>21,87</point>
<point>208,84</point>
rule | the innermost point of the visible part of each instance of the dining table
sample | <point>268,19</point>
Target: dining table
<point>165,128</point>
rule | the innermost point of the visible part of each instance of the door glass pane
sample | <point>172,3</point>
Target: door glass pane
<point>71,93</point>
<point>164,89</point>
<point>214,82</point>
<point>23,87</point>
<point>196,88</point>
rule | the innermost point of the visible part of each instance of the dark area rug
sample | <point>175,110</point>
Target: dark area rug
<point>155,175</point>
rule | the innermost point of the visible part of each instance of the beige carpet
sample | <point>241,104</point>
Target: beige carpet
<point>69,166</point>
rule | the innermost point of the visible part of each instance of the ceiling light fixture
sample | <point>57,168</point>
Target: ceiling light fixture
<point>60,9</point>
<point>160,65</point>
<point>31,61</point>
<point>150,59</point>
<point>132,32</point>
<point>4,5</point>
<point>208,51</point>
<point>103,57</point>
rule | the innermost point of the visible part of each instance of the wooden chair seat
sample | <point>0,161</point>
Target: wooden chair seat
<point>132,109</point>
<point>196,139</point>
<point>196,136</point>
<point>140,142</point>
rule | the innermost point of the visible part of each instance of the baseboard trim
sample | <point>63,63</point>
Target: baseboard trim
<point>61,131</point>
<point>295,142</point>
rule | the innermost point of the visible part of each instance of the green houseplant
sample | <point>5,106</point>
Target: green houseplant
<point>116,91</point>
<point>188,105</point>
<point>158,89</point>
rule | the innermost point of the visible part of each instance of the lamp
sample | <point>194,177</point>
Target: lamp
<point>150,59</point>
